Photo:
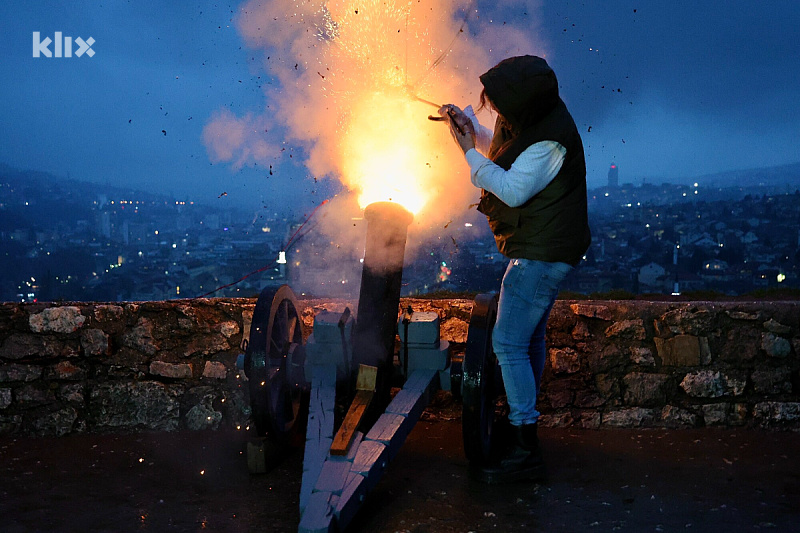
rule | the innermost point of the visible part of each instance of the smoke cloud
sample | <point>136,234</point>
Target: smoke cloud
<point>349,79</point>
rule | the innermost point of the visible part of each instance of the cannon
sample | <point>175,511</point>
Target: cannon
<point>298,385</point>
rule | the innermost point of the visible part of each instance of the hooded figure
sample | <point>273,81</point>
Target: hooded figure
<point>533,183</point>
<point>552,225</point>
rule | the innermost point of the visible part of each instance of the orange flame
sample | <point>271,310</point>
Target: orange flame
<point>349,74</point>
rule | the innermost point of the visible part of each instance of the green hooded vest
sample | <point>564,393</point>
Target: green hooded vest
<point>553,225</point>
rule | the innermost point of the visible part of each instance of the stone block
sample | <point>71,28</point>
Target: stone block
<point>19,346</point>
<point>72,393</point>
<point>423,328</point>
<point>564,360</point>
<point>5,398</point>
<point>681,350</point>
<point>455,330</point>
<point>56,423</point>
<point>744,315</point>
<point>108,313</point>
<point>95,342</point>
<point>630,417</point>
<point>65,370</point>
<point>561,419</point>
<point>229,329</point>
<point>642,356</point>
<point>17,372</point>
<point>741,344</point>
<point>776,414</point>
<point>559,393</point>
<point>610,358</point>
<point>627,329</point>
<point>10,424</point>
<point>141,337</point>
<point>25,345</point>
<point>645,389</point>
<point>170,370</point>
<point>686,320</point>
<point>33,396</point>
<point>712,384</point>
<point>215,370</point>
<point>705,384</point>
<point>724,414</point>
<point>603,312</point>
<point>773,326</point>
<point>775,346</point>
<point>203,416</point>
<point>588,399</point>
<point>705,351</point>
<point>142,404</point>
<point>65,319</point>
<point>581,331</point>
<point>206,345</point>
<point>675,417</point>
<point>776,381</point>
<point>607,385</point>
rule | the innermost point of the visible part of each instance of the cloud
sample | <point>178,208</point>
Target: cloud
<point>238,140</point>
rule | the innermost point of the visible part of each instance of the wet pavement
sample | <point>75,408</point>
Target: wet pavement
<point>599,480</point>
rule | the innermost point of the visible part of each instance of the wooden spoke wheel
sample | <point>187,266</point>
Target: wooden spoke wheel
<point>274,362</point>
<point>484,415</point>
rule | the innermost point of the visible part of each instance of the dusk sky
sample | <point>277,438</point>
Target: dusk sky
<point>666,90</point>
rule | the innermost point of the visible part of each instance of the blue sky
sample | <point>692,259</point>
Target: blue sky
<point>667,90</point>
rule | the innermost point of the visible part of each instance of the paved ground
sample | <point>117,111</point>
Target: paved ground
<point>610,480</point>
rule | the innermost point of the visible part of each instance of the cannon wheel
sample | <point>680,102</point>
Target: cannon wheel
<point>274,362</point>
<point>482,384</point>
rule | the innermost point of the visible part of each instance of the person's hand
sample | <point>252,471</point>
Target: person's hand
<point>461,127</point>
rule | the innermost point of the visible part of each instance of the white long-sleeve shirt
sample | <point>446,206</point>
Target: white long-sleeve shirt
<point>531,172</point>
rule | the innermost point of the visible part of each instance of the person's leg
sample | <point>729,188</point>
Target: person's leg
<point>538,349</point>
<point>526,297</point>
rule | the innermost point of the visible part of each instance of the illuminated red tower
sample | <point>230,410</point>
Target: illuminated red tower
<point>613,176</point>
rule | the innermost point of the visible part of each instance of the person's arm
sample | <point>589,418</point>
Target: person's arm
<point>532,171</point>
<point>483,135</point>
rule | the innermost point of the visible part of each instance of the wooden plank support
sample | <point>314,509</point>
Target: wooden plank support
<point>395,424</point>
<point>343,481</point>
<point>355,490</point>
<point>343,438</point>
<point>319,433</point>
<point>365,390</point>
<point>420,380</point>
<point>319,516</point>
<point>371,461</point>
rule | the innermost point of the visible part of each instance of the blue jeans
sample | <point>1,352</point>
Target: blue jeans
<point>527,294</point>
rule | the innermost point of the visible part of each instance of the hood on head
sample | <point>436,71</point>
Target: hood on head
<point>523,89</point>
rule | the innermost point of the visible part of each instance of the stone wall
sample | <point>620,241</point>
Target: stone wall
<point>83,367</point>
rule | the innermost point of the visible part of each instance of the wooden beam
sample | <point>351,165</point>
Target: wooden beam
<point>319,433</point>
<point>365,390</point>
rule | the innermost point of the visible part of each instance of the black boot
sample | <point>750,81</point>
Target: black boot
<point>521,462</point>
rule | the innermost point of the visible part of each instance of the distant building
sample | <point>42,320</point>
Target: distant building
<point>652,275</point>
<point>613,176</point>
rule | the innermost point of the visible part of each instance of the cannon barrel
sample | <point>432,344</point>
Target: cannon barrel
<point>379,299</point>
